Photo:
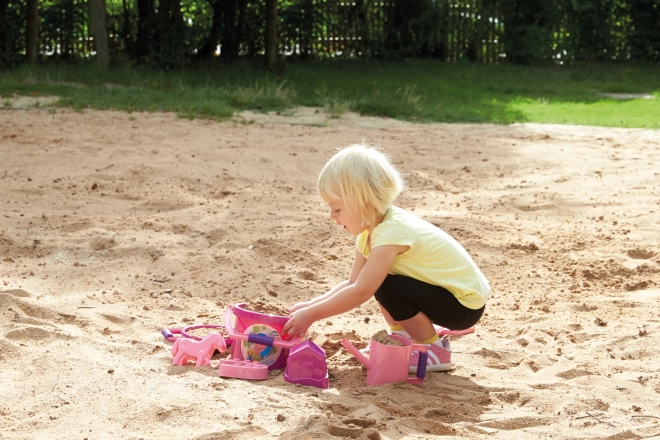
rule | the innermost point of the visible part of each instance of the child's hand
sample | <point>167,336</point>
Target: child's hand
<point>299,322</point>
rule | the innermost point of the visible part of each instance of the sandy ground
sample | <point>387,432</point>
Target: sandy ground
<point>114,226</point>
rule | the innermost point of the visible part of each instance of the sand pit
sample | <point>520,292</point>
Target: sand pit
<point>114,226</point>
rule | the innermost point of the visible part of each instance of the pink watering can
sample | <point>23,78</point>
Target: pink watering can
<point>388,363</point>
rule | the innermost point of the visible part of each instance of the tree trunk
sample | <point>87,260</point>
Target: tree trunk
<point>271,34</point>
<point>127,28</point>
<point>240,25</point>
<point>229,43</point>
<point>32,34</point>
<point>5,37</point>
<point>164,8</point>
<point>211,43</point>
<point>99,25</point>
<point>145,28</point>
<point>175,7</point>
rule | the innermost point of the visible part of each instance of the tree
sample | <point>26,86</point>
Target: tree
<point>144,28</point>
<point>528,28</point>
<point>208,48</point>
<point>271,34</point>
<point>5,37</point>
<point>229,40</point>
<point>645,36</point>
<point>99,24</point>
<point>172,35</point>
<point>32,31</point>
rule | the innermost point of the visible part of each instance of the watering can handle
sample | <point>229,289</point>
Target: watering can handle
<point>422,356</point>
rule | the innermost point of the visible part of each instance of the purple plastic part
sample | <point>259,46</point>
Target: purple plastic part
<point>307,365</point>
<point>421,365</point>
<point>258,338</point>
<point>167,334</point>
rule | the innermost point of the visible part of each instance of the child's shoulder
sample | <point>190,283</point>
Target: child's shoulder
<point>408,219</point>
<point>404,216</point>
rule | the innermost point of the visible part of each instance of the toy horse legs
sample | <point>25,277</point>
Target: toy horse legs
<point>202,359</point>
<point>185,350</point>
<point>181,358</point>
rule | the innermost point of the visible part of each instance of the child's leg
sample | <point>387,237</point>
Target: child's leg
<point>416,306</point>
<point>420,328</point>
<point>390,321</point>
<point>403,298</point>
<point>397,327</point>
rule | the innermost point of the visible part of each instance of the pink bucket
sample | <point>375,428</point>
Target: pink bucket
<point>247,322</point>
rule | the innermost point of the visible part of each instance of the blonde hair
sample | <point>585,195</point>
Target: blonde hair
<point>364,178</point>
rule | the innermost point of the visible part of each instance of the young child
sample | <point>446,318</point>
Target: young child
<point>419,275</point>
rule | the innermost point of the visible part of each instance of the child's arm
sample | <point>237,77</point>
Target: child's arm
<point>369,279</point>
<point>358,264</point>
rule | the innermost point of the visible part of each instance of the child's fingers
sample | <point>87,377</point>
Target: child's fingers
<point>290,328</point>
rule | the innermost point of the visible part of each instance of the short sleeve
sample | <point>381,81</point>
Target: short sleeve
<point>361,243</point>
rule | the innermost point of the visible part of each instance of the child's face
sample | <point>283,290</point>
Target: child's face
<point>340,215</point>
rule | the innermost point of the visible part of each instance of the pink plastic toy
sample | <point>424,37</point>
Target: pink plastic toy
<point>242,369</point>
<point>259,341</point>
<point>387,363</point>
<point>186,349</point>
<point>307,365</point>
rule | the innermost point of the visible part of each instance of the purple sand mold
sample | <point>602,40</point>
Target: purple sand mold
<point>307,365</point>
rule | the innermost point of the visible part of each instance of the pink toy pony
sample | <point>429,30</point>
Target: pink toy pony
<point>185,349</point>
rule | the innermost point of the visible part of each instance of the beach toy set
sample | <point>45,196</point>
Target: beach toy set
<point>257,346</point>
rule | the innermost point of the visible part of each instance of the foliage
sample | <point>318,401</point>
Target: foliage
<point>419,90</point>
<point>170,34</point>
<point>12,35</point>
<point>266,94</point>
<point>644,37</point>
<point>334,104</point>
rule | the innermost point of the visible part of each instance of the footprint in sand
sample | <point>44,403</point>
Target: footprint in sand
<point>354,428</point>
<point>640,254</point>
<point>31,333</point>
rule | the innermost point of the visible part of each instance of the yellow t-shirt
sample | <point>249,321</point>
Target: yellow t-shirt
<point>434,256</point>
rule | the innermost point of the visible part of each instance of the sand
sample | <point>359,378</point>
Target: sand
<point>114,226</point>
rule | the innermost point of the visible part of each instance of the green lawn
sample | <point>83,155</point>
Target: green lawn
<point>421,90</point>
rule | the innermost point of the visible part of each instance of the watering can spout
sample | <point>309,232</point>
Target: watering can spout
<point>355,352</point>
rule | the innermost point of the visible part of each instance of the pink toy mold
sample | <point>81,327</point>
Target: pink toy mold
<point>307,365</point>
<point>242,369</point>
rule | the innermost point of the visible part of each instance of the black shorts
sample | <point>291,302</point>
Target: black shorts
<point>404,297</point>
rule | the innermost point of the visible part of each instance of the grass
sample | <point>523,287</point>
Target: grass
<point>418,90</point>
